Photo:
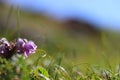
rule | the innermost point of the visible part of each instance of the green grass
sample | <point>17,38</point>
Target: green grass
<point>41,66</point>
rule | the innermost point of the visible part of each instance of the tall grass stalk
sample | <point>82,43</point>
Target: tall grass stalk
<point>8,20</point>
<point>104,50</point>
<point>18,22</point>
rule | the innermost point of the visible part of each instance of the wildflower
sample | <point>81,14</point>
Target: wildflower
<point>6,48</point>
<point>29,48</point>
<point>4,44</point>
<point>26,47</point>
<point>20,45</point>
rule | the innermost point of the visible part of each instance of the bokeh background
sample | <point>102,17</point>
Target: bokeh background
<point>81,31</point>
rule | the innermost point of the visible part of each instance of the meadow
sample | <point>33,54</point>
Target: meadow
<point>59,55</point>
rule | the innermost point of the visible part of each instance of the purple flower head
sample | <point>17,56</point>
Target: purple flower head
<point>6,48</point>
<point>4,41</point>
<point>26,47</point>
<point>3,49</point>
<point>29,48</point>
<point>20,45</point>
<point>4,44</point>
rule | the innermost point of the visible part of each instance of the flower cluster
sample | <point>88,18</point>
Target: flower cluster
<point>21,46</point>
<point>26,47</point>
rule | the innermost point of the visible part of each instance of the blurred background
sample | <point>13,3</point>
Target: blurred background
<point>81,30</point>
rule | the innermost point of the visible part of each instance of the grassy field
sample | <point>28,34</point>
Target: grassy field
<point>59,56</point>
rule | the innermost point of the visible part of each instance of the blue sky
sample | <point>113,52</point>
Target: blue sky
<point>99,12</point>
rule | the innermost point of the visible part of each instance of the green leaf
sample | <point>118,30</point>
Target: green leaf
<point>43,71</point>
